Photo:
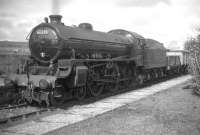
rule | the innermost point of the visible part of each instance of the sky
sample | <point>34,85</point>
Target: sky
<point>168,21</point>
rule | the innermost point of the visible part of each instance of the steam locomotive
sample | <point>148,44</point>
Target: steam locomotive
<point>71,62</point>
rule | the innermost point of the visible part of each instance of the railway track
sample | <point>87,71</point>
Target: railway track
<point>12,113</point>
<point>12,106</point>
<point>65,117</point>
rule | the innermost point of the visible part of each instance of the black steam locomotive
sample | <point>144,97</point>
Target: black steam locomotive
<point>71,62</point>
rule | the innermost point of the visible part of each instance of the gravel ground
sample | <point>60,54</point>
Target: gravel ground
<point>7,113</point>
<point>171,112</point>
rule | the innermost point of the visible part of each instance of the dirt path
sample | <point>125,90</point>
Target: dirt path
<point>175,111</point>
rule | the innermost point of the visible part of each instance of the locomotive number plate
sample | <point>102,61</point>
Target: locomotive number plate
<point>42,32</point>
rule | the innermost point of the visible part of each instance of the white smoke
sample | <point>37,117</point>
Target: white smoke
<point>55,6</point>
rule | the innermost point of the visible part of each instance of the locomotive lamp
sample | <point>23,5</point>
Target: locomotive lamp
<point>42,54</point>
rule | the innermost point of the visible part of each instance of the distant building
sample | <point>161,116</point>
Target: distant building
<point>13,56</point>
<point>16,48</point>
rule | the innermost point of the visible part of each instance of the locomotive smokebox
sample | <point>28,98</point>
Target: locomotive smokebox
<point>55,19</point>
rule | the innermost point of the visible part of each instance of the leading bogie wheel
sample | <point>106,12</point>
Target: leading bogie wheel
<point>57,96</point>
<point>28,95</point>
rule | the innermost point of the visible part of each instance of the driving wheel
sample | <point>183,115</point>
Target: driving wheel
<point>95,89</point>
<point>80,93</point>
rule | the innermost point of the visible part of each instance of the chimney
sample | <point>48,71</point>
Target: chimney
<point>55,19</point>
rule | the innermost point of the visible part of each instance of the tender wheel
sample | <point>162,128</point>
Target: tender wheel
<point>156,74</point>
<point>161,73</point>
<point>140,79</point>
<point>80,93</point>
<point>95,89</point>
<point>148,76</point>
<point>57,96</point>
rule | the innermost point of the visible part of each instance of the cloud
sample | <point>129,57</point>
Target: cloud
<point>56,5</point>
<point>141,3</point>
<point>162,20</point>
<point>5,23</point>
<point>17,28</point>
<point>193,7</point>
<point>23,7</point>
<point>17,18</point>
<point>190,12</point>
<point>3,35</point>
<point>7,15</point>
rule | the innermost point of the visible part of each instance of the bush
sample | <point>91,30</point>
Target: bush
<point>193,46</point>
<point>11,64</point>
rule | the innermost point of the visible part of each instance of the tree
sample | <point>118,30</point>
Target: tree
<point>193,46</point>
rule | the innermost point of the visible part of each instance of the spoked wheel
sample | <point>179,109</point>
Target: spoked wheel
<point>19,99</point>
<point>160,73</point>
<point>156,74</point>
<point>140,79</point>
<point>127,83</point>
<point>148,76</point>
<point>111,87</point>
<point>57,96</point>
<point>80,93</point>
<point>95,89</point>
<point>28,95</point>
